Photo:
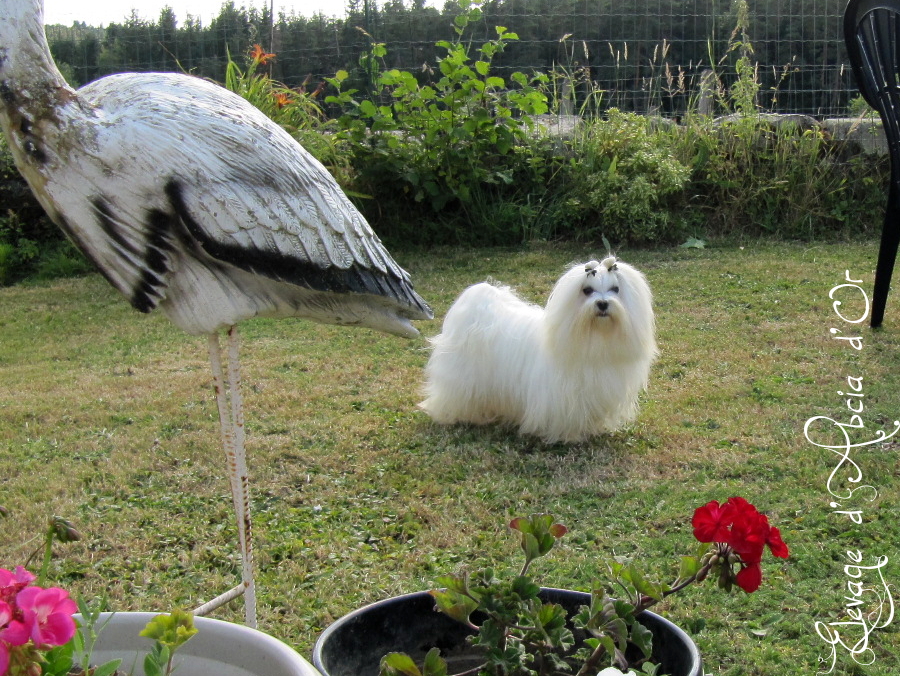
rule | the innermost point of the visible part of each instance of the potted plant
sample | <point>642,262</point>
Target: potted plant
<point>490,627</point>
<point>39,636</point>
<point>219,648</point>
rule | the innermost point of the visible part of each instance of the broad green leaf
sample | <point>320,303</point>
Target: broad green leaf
<point>107,669</point>
<point>618,630</point>
<point>623,609</point>
<point>525,588</point>
<point>455,605</point>
<point>557,530</point>
<point>434,664</point>
<point>530,546</point>
<point>482,67</point>
<point>151,666</point>
<point>456,583</point>
<point>642,638</point>
<point>367,108</point>
<point>520,523</point>
<point>398,664</point>
<point>643,585</point>
<point>689,567</point>
<point>609,645</point>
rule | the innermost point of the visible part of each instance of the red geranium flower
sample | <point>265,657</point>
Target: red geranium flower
<point>738,525</point>
<point>748,534</point>
<point>711,521</point>
<point>776,544</point>
<point>749,577</point>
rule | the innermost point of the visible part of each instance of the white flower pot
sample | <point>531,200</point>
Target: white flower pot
<point>217,649</point>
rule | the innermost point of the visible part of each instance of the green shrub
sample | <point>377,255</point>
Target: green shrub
<point>750,177</point>
<point>622,179</point>
<point>447,146</point>
<point>27,236</point>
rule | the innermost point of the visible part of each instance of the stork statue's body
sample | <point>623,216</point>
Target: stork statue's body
<point>190,200</point>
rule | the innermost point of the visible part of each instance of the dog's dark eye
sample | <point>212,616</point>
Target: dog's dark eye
<point>587,291</point>
<point>615,289</point>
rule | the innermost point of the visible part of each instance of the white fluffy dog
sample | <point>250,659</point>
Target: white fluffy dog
<point>564,372</point>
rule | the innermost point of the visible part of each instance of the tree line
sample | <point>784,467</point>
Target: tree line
<point>611,46</point>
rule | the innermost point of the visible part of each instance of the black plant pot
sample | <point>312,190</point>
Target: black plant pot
<point>355,644</point>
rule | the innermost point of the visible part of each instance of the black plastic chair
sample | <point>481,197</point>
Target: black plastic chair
<point>872,34</point>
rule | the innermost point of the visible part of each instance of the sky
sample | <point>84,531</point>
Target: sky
<point>104,12</point>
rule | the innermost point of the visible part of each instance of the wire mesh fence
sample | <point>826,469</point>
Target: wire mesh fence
<point>648,56</point>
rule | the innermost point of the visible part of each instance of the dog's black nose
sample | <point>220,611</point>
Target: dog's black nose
<point>602,305</point>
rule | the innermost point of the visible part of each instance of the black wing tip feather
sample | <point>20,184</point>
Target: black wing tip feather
<point>355,279</point>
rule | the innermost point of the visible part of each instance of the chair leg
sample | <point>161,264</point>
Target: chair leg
<point>887,256</point>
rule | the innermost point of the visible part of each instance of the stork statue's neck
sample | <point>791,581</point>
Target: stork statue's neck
<point>26,66</point>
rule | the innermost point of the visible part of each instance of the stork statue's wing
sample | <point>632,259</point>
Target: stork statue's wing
<point>193,174</point>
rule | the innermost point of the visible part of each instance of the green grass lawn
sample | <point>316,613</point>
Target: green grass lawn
<point>107,418</point>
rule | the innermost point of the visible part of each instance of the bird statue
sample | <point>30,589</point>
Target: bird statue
<point>188,199</point>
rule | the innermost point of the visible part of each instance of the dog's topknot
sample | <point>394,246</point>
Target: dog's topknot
<point>591,268</point>
<point>610,263</point>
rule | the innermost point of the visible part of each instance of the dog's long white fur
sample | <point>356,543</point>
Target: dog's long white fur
<point>564,373</point>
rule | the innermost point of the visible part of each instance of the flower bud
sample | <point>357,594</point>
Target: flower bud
<point>724,577</point>
<point>64,530</point>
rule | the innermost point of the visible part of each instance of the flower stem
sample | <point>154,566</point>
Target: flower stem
<point>590,664</point>
<point>48,553</point>
<point>645,602</point>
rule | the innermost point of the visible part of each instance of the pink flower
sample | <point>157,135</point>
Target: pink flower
<point>12,633</point>
<point>47,615</point>
<point>11,583</point>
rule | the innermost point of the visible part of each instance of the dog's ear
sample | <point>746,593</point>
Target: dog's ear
<point>610,264</point>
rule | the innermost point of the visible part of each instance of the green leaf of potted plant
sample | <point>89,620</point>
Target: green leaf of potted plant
<point>488,626</point>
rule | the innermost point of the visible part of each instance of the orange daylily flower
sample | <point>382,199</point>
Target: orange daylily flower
<point>259,55</point>
<point>282,99</point>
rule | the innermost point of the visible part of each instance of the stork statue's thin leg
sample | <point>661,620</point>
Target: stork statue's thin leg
<point>231,417</point>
